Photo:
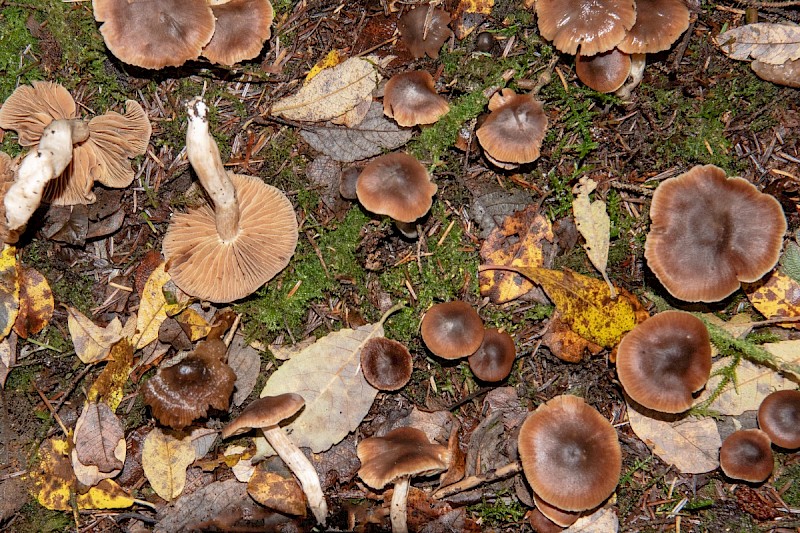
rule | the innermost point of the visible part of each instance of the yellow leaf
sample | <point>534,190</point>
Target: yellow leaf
<point>109,385</point>
<point>9,290</point>
<point>35,303</point>
<point>776,295</point>
<point>469,14</point>
<point>153,308</point>
<point>194,325</point>
<point>331,60</point>
<point>92,342</point>
<point>164,460</point>
<point>273,486</point>
<point>788,352</point>
<point>593,223</point>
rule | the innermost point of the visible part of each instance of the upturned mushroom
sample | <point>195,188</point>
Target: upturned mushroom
<point>452,330</point>
<point>513,132</point>
<point>265,414</point>
<point>226,252</point>
<point>410,98</point>
<point>779,418</point>
<point>386,363</point>
<point>395,458</point>
<point>747,455</point>
<point>424,30</point>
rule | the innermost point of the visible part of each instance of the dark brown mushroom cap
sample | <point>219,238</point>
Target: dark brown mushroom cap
<point>495,357</point>
<point>386,363</point>
<point>242,28</point>
<point>202,265</point>
<point>348,182</point>
<point>410,98</point>
<point>183,392</point>
<point>412,30</point>
<point>155,35</point>
<point>264,413</point>
<point>659,23</point>
<point>779,417</point>
<point>604,72</point>
<point>32,107</point>
<point>514,130</point>
<point>396,185</point>
<point>541,524</point>
<point>558,516</point>
<point>570,454</point>
<point>663,360</point>
<point>709,233</point>
<point>594,25</point>
<point>747,455</point>
<point>452,330</point>
<point>402,452</point>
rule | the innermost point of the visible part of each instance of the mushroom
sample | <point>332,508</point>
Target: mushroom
<point>155,35</point>
<point>398,186</point>
<point>241,29</point>
<point>665,359</point>
<point>424,30</point>
<point>6,180</point>
<point>410,99</point>
<point>495,356</point>
<point>183,392</point>
<point>395,458</point>
<point>570,454</point>
<point>386,363</point>
<point>595,26</point>
<point>541,524</point>
<point>555,515</point>
<point>348,182</point>
<point>604,72</point>
<point>709,233</point>
<point>452,330</point>
<point>266,413</point>
<point>747,455</point>
<point>779,418</point>
<point>513,132</point>
<point>226,253</point>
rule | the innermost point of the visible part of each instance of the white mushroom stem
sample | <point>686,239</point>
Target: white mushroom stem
<point>302,468</point>
<point>408,229</point>
<point>204,156</point>
<point>399,512</point>
<point>634,77</point>
<point>46,162</point>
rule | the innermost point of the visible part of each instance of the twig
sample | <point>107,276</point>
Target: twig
<point>473,481</point>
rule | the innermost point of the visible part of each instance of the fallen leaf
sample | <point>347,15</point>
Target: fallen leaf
<point>218,499</point>
<point>8,357</point>
<point>595,226</point>
<point>790,262</point>
<point>154,308</point>
<point>690,444</point>
<point>330,60</point>
<point>604,520</point>
<point>202,440</point>
<point>194,325</point>
<point>355,116</point>
<point>35,303</point>
<point>242,462</point>
<point>165,459</point>
<point>788,352</point>
<point>273,486</point>
<point>331,93</point>
<point>110,384</point>
<point>767,42</point>
<point>92,342</point>
<point>372,136</point>
<point>565,343</point>
<point>468,15</point>
<point>776,295</point>
<point>245,361</point>
<point>99,440</point>
<point>9,289</point>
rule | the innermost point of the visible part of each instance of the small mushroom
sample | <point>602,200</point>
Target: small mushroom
<point>495,357</point>
<point>485,42</point>
<point>241,29</point>
<point>513,132</point>
<point>424,30</point>
<point>395,458</point>
<point>386,363</point>
<point>665,359</point>
<point>779,418</point>
<point>747,455</point>
<point>555,515</point>
<point>410,98</point>
<point>604,72</point>
<point>265,414</point>
<point>595,26</point>
<point>541,524</point>
<point>181,393</point>
<point>452,330</point>
<point>348,182</point>
<point>709,233</point>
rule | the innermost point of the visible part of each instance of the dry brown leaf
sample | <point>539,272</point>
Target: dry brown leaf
<point>604,520</point>
<point>595,226</point>
<point>8,357</point>
<point>165,459</point>
<point>35,302</point>
<point>775,295</point>
<point>690,444</point>
<point>273,486</point>
<point>246,364</point>
<point>99,444</point>
<point>355,116</point>
<point>92,342</point>
<point>767,42</point>
<point>468,15</point>
<point>565,343</point>
<point>218,499</point>
<point>202,440</point>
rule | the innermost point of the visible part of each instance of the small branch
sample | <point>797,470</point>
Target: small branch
<point>473,481</point>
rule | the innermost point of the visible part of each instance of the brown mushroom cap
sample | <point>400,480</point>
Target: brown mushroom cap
<point>663,360</point>
<point>709,233</point>
<point>779,417</point>
<point>396,185</point>
<point>412,30</point>
<point>183,392</point>
<point>570,454</point>
<point>541,524</point>
<point>410,98</point>
<point>514,131</point>
<point>155,35</point>
<point>386,363</point>
<point>402,452</point>
<point>452,330</point>
<point>264,412</point>
<point>558,516</point>
<point>604,72</point>
<point>202,265</point>
<point>348,182</point>
<point>659,23</point>
<point>747,455</point>
<point>495,357</point>
<point>594,25</point>
<point>242,28</point>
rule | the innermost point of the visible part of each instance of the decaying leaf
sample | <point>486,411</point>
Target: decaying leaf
<point>516,242</point>
<point>165,459</point>
<point>330,60</point>
<point>35,302</point>
<point>9,289</point>
<point>604,520</point>
<point>468,15</point>
<point>273,485</point>
<point>767,42</point>
<point>371,137</point>
<point>332,92</point>
<point>218,499</point>
<point>154,308</point>
<point>790,261</point>
<point>92,342</point>
<point>690,444</point>
<point>565,343</point>
<point>241,462</point>
<point>99,444</point>
<point>788,352</point>
<point>246,364</point>
<point>202,440</point>
<point>8,357</point>
<point>776,295</point>
<point>194,325</point>
<point>595,226</point>
<point>110,384</point>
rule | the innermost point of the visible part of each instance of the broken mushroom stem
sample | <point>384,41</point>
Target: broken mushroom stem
<point>302,468</point>
<point>204,157</point>
<point>46,162</point>
<point>398,513</point>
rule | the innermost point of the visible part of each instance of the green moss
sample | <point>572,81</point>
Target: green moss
<point>790,474</point>
<point>18,50</point>
<point>69,286</point>
<point>33,517</point>
<point>500,512</point>
<point>432,143</point>
<point>578,108</point>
